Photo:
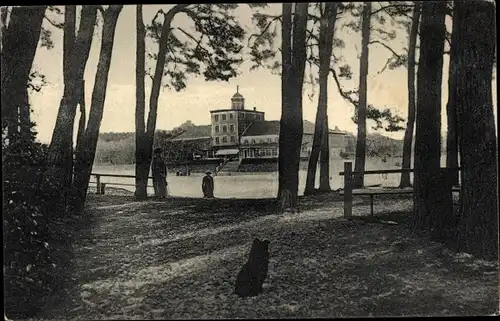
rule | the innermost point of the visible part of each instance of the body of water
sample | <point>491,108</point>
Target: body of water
<point>247,185</point>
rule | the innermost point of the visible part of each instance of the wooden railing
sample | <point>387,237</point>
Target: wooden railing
<point>348,173</point>
<point>102,186</point>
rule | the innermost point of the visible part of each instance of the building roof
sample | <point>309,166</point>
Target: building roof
<point>272,127</point>
<point>195,132</point>
<point>269,127</point>
<point>237,110</point>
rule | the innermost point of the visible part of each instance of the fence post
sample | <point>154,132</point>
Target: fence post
<point>98,178</point>
<point>347,190</point>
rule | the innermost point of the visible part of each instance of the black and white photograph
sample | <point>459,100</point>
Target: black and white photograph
<point>250,160</point>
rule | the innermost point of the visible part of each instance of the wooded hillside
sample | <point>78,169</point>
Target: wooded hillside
<point>118,148</point>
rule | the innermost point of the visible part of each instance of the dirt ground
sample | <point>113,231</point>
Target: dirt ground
<point>179,259</point>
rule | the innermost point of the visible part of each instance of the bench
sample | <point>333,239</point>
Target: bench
<point>349,192</point>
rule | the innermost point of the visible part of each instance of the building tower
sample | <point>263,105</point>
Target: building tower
<point>229,124</point>
<point>237,101</point>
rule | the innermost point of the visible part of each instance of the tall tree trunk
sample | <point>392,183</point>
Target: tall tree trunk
<point>291,127</point>
<point>19,43</point>
<point>324,161</point>
<point>141,166</point>
<point>83,118</point>
<point>286,102</point>
<point>142,171</point>
<point>68,39</point>
<point>324,169</point>
<point>451,110</point>
<point>327,27</point>
<point>359,165</point>
<point>86,152</point>
<point>24,116</point>
<point>408,138</point>
<point>475,49</point>
<point>428,121</point>
<point>68,43</point>
<point>60,153</point>
<point>4,12</point>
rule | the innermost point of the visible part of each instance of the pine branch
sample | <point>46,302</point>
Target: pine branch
<point>264,31</point>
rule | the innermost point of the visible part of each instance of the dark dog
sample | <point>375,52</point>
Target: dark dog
<point>253,273</point>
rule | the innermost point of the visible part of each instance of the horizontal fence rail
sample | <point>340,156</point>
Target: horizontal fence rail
<point>349,191</point>
<point>393,171</point>
<point>102,186</point>
<point>116,175</point>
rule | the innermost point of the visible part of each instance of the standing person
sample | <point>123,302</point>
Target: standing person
<point>207,185</point>
<point>159,170</point>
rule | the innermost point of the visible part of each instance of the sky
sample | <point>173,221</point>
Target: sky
<point>260,88</point>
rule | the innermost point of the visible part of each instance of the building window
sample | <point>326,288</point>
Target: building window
<point>269,140</point>
<point>253,141</point>
<point>224,117</point>
<point>217,141</point>
<point>276,139</point>
<point>231,116</point>
<point>257,117</point>
<point>224,139</point>
<point>216,117</point>
<point>243,115</point>
<point>232,128</point>
<point>216,129</point>
<point>224,129</point>
<point>275,152</point>
<point>245,141</point>
<point>233,139</point>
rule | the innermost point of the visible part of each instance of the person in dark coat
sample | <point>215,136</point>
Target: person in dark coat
<point>207,185</point>
<point>159,170</point>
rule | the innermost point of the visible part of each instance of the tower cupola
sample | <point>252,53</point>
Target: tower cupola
<point>237,101</point>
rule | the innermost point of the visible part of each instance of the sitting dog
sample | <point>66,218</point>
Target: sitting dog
<point>253,273</point>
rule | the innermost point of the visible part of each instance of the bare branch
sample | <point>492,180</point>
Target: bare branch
<point>399,11</point>
<point>189,35</point>
<point>386,46</point>
<point>384,8</point>
<point>339,86</point>
<point>447,37</point>
<point>55,24</point>
<point>385,66</point>
<point>312,35</point>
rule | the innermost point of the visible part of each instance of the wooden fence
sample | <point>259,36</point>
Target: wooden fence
<point>349,191</point>
<point>102,186</point>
